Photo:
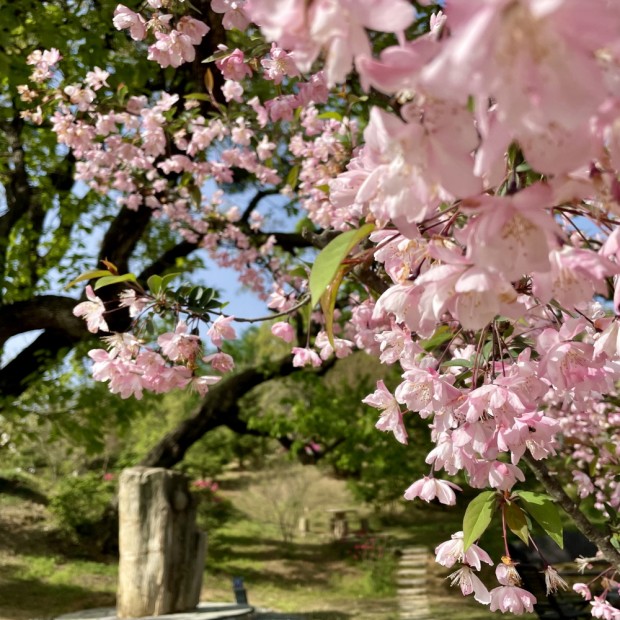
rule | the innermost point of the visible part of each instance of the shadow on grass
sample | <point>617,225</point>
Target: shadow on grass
<point>22,490</point>
<point>22,599</point>
<point>247,557</point>
<point>264,549</point>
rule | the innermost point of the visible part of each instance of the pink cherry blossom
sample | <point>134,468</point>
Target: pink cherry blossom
<point>284,331</point>
<point>203,383</point>
<point>234,13</point>
<point>233,66</point>
<point>430,488</point>
<point>193,28</point>
<point>129,299</point>
<point>391,416</point>
<point>341,347</point>
<point>232,91</point>
<point>583,590</point>
<point>305,357</point>
<point>126,19</point>
<point>603,609</point>
<point>470,583</point>
<point>221,330</point>
<point>181,345</point>
<point>425,391</point>
<point>92,311</point>
<point>96,78</point>
<point>279,65</point>
<point>512,599</point>
<point>507,573</point>
<point>450,552</point>
<point>172,49</point>
<point>221,362</point>
<point>512,235</point>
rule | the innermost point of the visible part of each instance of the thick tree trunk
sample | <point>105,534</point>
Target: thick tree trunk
<point>162,552</point>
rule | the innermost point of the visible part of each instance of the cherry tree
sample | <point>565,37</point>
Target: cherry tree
<point>456,170</point>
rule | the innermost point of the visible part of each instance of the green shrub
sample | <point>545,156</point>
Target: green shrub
<point>79,504</point>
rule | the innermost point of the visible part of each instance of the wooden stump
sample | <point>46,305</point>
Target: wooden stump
<point>162,553</point>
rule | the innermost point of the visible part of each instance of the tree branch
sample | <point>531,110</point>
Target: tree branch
<point>34,360</point>
<point>167,259</point>
<point>41,312</point>
<point>255,202</point>
<point>220,407</point>
<point>124,233</point>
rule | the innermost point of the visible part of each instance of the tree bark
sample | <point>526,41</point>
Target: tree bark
<point>162,552</point>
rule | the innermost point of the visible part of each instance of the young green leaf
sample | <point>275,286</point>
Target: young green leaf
<point>107,280</point>
<point>545,512</point>
<point>478,517</point>
<point>330,115</point>
<point>331,256</point>
<point>328,304</point>
<point>292,176</point>
<point>517,521</point>
<point>89,275</point>
<point>154,284</point>
<point>166,279</point>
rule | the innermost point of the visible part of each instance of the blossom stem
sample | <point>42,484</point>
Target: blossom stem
<point>302,302</point>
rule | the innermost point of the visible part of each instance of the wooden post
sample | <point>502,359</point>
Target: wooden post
<point>162,553</point>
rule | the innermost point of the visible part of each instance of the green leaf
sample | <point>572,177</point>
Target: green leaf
<point>545,512</point>
<point>517,521</point>
<point>292,176</point>
<point>107,280</point>
<point>198,96</point>
<point>196,195</point>
<point>328,304</point>
<point>167,279</point>
<point>442,334</point>
<point>328,262</point>
<point>298,272</point>
<point>478,517</point>
<point>89,275</point>
<point>154,284</point>
<point>327,115</point>
<point>458,362</point>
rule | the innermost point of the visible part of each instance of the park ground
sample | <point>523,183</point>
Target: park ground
<point>44,573</point>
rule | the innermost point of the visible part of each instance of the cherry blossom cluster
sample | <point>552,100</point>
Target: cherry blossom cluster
<point>489,167</point>
<point>175,39</point>
<point>131,364</point>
